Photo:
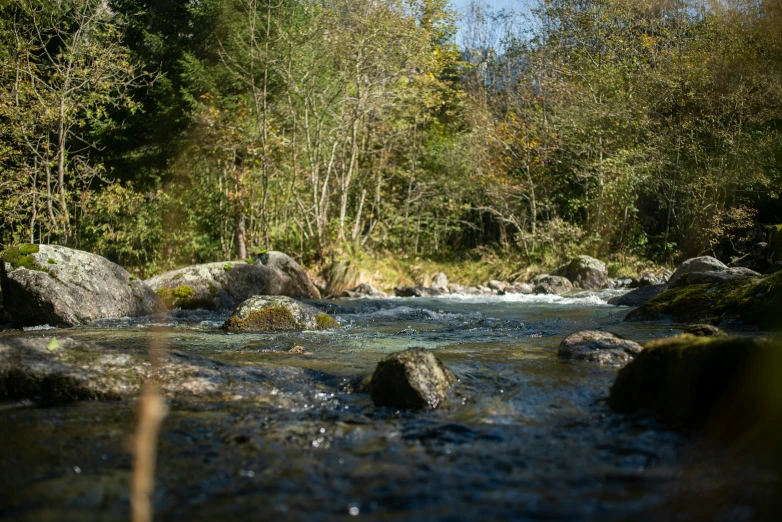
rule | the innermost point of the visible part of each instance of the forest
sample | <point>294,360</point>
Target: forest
<point>171,132</point>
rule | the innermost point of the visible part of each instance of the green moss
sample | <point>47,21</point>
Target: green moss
<point>227,267</point>
<point>754,301</point>
<point>212,289</point>
<point>326,322</point>
<point>184,297</point>
<point>21,256</point>
<point>687,380</point>
<point>51,261</point>
<point>272,319</point>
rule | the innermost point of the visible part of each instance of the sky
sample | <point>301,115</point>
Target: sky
<point>461,6</point>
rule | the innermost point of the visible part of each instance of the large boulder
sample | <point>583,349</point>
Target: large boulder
<point>690,381</point>
<point>277,314</point>
<point>60,370</point>
<point>749,301</point>
<point>440,282</point>
<point>59,286</point>
<point>417,291</point>
<point>364,290</point>
<point>638,296</point>
<point>413,378</point>
<point>697,264</point>
<point>298,283</point>
<point>585,272</point>
<point>551,284</point>
<point>221,286</point>
<point>598,346</point>
<point>712,277</point>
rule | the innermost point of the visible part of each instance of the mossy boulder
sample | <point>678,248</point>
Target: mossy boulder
<point>277,314</point>
<point>690,381</point>
<point>221,286</point>
<point>413,378</point>
<point>749,301</point>
<point>50,284</point>
<point>585,272</point>
<point>61,370</point>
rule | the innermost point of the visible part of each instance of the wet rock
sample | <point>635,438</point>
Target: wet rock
<point>688,381</point>
<point>454,288</point>
<point>551,284</point>
<point>704,330</point>
<point>774,249</point>
<point>638,296</point>
<point>598,346</point>
<point>749,301</point>
<point>277,314</point>
<point>713,277</point>
<point>60,370</point>
<point>298,283</point>
<point>414,378</point>
<point>59,286</point>
<point>440,282</point>
<point>697,264</point>
<point>585,272</point>
<point>416,291</point>
<point>364,290</point>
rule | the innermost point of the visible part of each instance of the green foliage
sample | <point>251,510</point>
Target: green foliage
<point>184,297</point>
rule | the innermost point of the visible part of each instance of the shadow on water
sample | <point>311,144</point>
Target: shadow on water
<point>524,436</point>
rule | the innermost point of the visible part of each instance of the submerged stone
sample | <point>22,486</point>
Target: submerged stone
<point>750,301</point>
<point>690,381</point>
<point>416,291</point>
<point>704,330</point>
<point>277,314</point>
<point>598,346</point>
<point>413,378</point>
<point>59,286</point>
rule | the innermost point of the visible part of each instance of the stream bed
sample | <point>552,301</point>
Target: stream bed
<point>523,436</point>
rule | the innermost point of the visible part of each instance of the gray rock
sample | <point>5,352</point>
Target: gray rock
<point>551,284</point>
<point>364,290</point>
<point>276,314</point>
<point>697,264</point>
<point>713,278</point>
<point>61,370</point>
<point>585,272</point>
<point>219,286</point>
<point>704,330</point>
<point>638,296</point>
<point>519,288</point>
<point>414,378</point>
<point>598,346</point>
<point>59,286</point>
<point>416,291</point>
<point>440,281</point>
<point>497,285</point>
<point>298,283</point>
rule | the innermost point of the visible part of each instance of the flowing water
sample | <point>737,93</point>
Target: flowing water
<point>524,436</point>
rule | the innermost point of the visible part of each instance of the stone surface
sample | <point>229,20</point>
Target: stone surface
<point>748,301</point>
<point>638,296</point>
<point>598,346</point>
<point>221,286</point>
<point>690,381</point>
<point>59,286</point>
<point>519,288</point>
<point>416,291</point>
<point>774,248</point>
<point>704,330</point>
<point>60,370</point>
<point>414,378</point>
<point>500,286</point>
<point>585,272</point>
<point>713,277</point>
<point>551,284</point>
<point>276,314</point>
<point>440,281</point>
<point>298,283</point>
<point>364,290</point>
<point>697,264</point>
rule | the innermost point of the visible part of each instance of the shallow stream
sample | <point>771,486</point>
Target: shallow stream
<point>524,436</point>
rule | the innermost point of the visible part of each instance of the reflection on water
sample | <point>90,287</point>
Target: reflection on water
<point>524,435</point>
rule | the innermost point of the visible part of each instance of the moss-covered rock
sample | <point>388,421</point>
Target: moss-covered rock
<point>751,301</point>
<point>21,256</point>
<point>184,297</point>
<point>689,381</point>
<point>277,314</point>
